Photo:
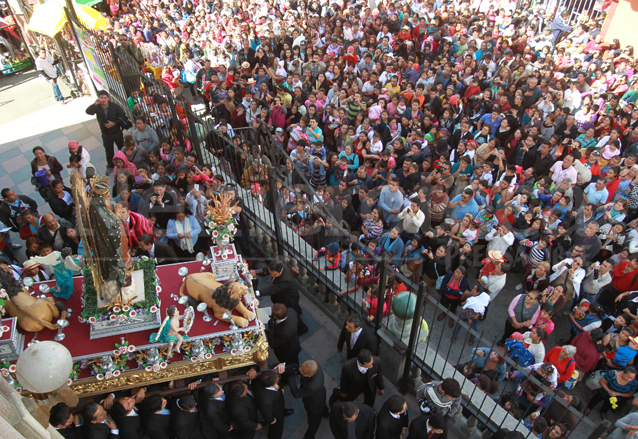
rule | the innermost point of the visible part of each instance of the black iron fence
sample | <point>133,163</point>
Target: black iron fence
<point>429,351</point>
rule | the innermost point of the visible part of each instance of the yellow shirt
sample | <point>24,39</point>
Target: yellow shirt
<point>393,90</point>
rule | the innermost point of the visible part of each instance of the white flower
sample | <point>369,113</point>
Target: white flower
<point>156,368</point>
<point>209,356</point>
<point>247,348</point>
<point>112,317</point>
<point>108,375</point>
<point>231,228</point>
<point>158,288</point>
<point>233,352</point>
<point>92,320</point>
<point>148,368</point>
<point>163,364</point>
<point>121,317</point>
<point>116,352</point>
<point>3,293</point>
<point>226,236</point>
<point>201,357</point>
<point>99,377</point>
<point>116,309</point>
<point>126,308</point>
<point>5,372</point>
<point>12,368</point>
<point>69,382</point>
<point>116,373</point>
<point>131,348</point>
<point>194,359</point>
<point>211,225</point>
<point>215,233</point>
<point>153,308</point>
<point>132,314</point>
<point>19,389</point>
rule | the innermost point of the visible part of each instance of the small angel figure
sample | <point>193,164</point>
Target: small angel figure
<point>169,331</point>
<point>64,265</point>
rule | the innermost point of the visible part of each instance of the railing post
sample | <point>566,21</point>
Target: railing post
<point>275,209</point>
<point>383,275</point>
<point>413,337</point>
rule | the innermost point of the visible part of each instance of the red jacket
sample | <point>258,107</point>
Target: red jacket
<point>622,281</point>
<point>565,368</point>
<point>137,226</point>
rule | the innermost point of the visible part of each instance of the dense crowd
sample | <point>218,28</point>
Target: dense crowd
<point>467,141</point>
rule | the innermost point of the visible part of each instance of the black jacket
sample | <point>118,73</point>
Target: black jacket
<point>364,422</point>
<point>283,290</point>
<point>214,415</point>
<point>271,403</point>
<point>311,390</point>
<point>186,425</point>
<point>59,206</point>
<point>131,427</point>
<point>45,235</point>
<point>366,340</point>
<point>71,432</point>
<point>419,430</point>
<point>163,253</point>
<point>243,414</point>
<point>113,112</point>
<point>98,431</point>
<point>388,427</point>
<point>354,382</point>
<point>158,426</point>
<point>283,338</point>
<point>11,215</point>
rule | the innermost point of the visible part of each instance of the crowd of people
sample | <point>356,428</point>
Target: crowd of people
<point>468,142</point>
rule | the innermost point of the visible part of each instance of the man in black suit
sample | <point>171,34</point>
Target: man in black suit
<point>282,334</point>
<point>283,289</point>
<point>157,250</point>
<point>127,418</point>
<point>362,375</point>
<point>185,418</point>
<point>421,427</point>
<point>160,203</point>
<point>356,335</point>
<point>242,410</point>
<point>156,418</point>
<point>110,117</point>
<point>97,423</point>
<point>352,420</point>
<point>392,420</point>
<point>213,412</point>
<point>307,382</point>
<point>65,422</point>
<point>270,400</point>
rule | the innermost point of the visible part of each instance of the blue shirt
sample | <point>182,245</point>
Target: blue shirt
<point>171,230</point>
<point>594,196</point>
<point>390,201</point>
<point>487,119</point>
<point>458,211</point>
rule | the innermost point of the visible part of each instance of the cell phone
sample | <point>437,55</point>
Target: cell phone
<point>196,186</point>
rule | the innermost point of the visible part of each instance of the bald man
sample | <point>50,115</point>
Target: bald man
<point>53,232</point>
<point>306,382</point>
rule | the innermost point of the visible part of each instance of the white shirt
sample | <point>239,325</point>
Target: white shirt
<point>500,243</point>
<point>579,275</point>
<point>354,336</point>
<point>361,369</point>
<point>46,65</point>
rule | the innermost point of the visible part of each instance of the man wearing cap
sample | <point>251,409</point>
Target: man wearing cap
<point>589,345</point>
<point>131,61</point>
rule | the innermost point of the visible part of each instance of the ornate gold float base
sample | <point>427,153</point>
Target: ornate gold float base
<point>183,369</point>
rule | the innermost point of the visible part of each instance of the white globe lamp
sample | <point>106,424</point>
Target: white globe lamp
<point>44,367</point>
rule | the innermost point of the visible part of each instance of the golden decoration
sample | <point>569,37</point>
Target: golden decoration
<point>220,209</point>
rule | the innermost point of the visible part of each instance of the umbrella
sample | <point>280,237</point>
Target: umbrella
<point>88,2</point>
<point>50,18</point>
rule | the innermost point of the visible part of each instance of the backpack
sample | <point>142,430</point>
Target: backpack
<point>519,353</point>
